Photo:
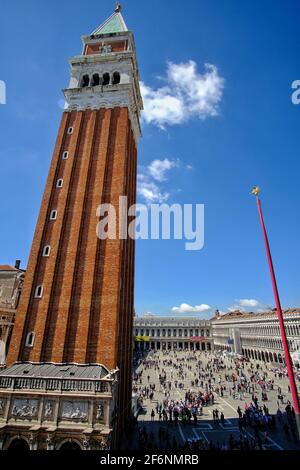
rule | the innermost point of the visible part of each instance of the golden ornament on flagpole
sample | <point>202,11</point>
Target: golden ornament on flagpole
<point>255,190</point>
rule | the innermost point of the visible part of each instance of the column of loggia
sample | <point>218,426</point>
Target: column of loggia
<point>193,344</point>
<point>19,334</point>
<point>81,339</point>
<point>110,294</point>
<point>72,243</point>
<point>64,171</point>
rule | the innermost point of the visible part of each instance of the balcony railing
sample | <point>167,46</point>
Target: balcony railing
<point>56,384</point>
<point>179,338</point>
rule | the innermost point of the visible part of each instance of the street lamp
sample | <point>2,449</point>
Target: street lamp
<point>255,191</point>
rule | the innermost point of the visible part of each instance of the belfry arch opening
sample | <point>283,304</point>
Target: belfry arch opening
<point>95,79</point>
<point>116,78</point>
<point>85,81</point>
<point>106,79</point>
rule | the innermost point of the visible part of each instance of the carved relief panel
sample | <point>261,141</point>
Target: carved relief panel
<point>74,411</point>
<point>24,408</point>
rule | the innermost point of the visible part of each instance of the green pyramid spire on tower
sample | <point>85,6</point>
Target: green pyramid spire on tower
<point>114,24</point>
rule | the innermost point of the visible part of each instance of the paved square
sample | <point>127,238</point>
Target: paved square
<point>175,374</point>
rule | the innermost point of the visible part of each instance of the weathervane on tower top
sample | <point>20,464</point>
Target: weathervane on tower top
<point>118,7</point>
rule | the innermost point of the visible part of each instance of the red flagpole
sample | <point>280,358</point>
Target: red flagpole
<point>288,360</point>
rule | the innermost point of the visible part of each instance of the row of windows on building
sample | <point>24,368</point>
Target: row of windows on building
<point>258,342</point>
<point>271,330</point>
<point>265,330</point>
<point>95,79</point>
<point>168,333</point>
<point>270,343</point>
<point>263,342</point>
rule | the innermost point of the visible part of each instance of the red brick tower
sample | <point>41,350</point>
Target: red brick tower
<point>77,301</point>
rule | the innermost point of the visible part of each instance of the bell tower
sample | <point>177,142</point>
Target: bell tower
<point>106,74</point>
<point>77,303</point>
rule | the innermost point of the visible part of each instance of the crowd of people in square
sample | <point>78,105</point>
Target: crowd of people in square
<point>209,377</point>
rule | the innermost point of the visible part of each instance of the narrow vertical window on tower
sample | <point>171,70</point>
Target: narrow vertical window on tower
<point>70,130</point>
<point>29,339</point>
<point>53,215</point>
<point>65,155</point>
<point>38,292</point>
<point>59,183</point>
<point>46,250</point>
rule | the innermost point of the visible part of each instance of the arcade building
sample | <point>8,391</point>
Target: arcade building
<point>257,335</point>
<point>172,333</point>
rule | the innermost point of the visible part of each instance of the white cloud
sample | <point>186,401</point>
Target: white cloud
<point>244,304</point>
<point>149,314</point>
<point>235,307</point>
<point>249,303</point>
<point>62,104</point>
<point>158,168</point>
<point>263,310</point>
<point>150,192</point>
<point>186,308</point>
<point>160,107</point>
<point>148,178</point>
<point>186,94</point>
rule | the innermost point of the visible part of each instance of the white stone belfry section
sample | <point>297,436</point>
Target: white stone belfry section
<point>105,54</point>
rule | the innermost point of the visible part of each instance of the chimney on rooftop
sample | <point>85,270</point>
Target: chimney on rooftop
<point>17,263</point>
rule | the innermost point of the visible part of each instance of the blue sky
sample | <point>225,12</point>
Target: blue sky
<point>245,132</point>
